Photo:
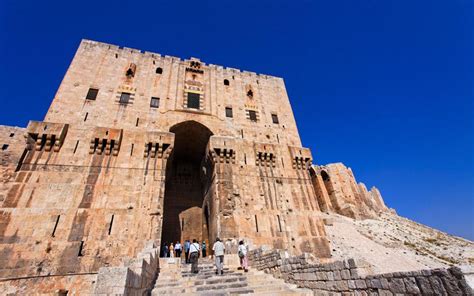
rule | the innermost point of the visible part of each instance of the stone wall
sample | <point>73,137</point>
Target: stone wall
<point>353,277</point>
<point>135,277</point>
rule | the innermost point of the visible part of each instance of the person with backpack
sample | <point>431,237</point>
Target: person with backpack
<point>194,256</point>
<point>242,251</point>
<point>219,249</point>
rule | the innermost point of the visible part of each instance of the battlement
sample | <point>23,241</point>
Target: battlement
<point>85,43</point>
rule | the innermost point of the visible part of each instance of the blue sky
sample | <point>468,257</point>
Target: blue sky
<point>385,87</point>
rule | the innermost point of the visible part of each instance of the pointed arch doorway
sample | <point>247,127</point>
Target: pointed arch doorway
<point>188,177</point>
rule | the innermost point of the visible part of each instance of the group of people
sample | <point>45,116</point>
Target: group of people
<point>192,252</point>
<point>176,250</point>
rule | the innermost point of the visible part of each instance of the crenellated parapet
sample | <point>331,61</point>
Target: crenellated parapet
<point>106,140</point>
<point>45,136</point>
<point>158,145</point>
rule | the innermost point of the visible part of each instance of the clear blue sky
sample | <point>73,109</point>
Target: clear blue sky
<point>384,86</point>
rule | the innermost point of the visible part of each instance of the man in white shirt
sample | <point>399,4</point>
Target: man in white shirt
<point>177,249</point>
<point>194,256</point>
<point>219,249</point>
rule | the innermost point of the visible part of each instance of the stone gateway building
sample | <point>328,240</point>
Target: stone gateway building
<point>138,149</point>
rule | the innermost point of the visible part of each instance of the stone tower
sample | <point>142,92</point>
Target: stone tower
<point>139,147</point>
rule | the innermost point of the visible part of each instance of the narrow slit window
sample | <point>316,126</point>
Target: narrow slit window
<point>79,254</point>
<point>155,102</point>
<point>193,100</point>
<point>92,94</point>
<point>228,112</point>
<point>55,226</point>
<point>85,117</point>
<point>124,98</point>
<point>75,148</point>
<point>138,120</point>
<point>256,223</point>
<point>253,115</point>
<point>279,223</point>
<point>131,150</point>
<point>111,223</point>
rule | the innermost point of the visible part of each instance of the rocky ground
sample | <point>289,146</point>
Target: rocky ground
<point>392,243</point>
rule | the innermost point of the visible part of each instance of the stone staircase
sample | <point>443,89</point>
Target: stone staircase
<point>176,278</point>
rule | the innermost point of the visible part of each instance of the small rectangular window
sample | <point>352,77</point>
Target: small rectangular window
<point>124,98</point>
<point>275,119</point>
<point>228,112</point>
<point>253,115</point>
<point>4,146</point>
<point>155,102</point>
<point>12,135</point>
<point>193,100</point>
<point>92,94</point>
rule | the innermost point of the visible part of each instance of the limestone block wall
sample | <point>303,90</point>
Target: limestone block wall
<point>136,277</point>
<point>11,150</point>
<point>80,208</point>
<point>350,276</point>
<point>338,191</point>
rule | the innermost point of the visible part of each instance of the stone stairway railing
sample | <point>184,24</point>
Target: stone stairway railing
<point>353,276</point>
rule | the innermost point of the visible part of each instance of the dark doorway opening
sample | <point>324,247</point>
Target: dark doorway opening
<point>187,178</point>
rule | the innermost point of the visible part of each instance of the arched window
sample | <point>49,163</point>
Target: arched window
<point>159,70</point>
<point>226,82</point>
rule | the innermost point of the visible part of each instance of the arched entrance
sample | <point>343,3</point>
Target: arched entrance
<point>187,176</point>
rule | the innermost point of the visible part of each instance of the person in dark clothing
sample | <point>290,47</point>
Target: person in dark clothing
<point>204,249</point>
<point>186,250</point>
<point>165,250</point>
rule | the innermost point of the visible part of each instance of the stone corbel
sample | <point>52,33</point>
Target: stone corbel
<point>106,140</point>
<point>222,149</point>
<point>45,135</point>
<point>265,154</point>
<point>158,145</point>
<point>301,157</point>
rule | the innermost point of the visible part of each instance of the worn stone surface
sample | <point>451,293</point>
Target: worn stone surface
<point>297,271</point>
<point>338,191</point>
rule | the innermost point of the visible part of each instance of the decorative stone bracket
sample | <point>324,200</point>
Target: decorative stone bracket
<point>107,140</point>
<point>301,157</point>
<point>222,149</point>
<point>265,154</point>
<point>158,145</point>
<point>45,135</point>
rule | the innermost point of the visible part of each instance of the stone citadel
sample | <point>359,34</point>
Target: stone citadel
<point>139,149</point>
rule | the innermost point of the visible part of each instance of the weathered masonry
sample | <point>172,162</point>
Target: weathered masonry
<point>139,147</point>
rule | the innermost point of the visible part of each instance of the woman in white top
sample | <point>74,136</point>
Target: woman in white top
<point>242,251</point>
